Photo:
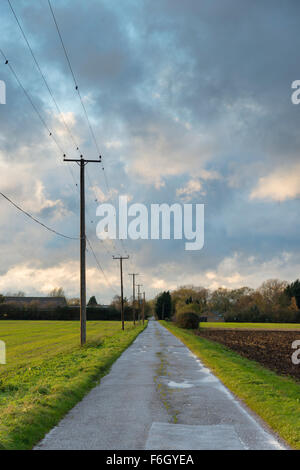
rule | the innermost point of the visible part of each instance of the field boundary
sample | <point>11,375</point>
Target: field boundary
<point>251,326</point>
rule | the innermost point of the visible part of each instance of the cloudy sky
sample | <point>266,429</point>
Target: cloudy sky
<point>190,102</point>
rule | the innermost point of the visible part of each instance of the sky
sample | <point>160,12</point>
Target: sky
<point>190,102</point>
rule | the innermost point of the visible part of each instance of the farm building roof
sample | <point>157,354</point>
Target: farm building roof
<point>42,301</point>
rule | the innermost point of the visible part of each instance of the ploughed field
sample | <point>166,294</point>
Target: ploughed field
<point>251,326</point>
<point>271,348</point>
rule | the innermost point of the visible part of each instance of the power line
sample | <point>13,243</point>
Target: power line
<point>61,235</point>
<point>47,86</point>
<point>44,78</point>
<point>60,149</point>
<point>58,109</point>
<point>54,139</point>
<point>35,109</point>
<point>78,91</point>
<point>36,220</point>
<point>31,102</point>
<point>74,79</point>
<point>80,97</point>
<point>99,265</point>
<point>102,241</point>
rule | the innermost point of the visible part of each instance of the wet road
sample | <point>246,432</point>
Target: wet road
<point>159,396</point>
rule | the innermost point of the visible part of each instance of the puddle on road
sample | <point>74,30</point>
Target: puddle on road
<point>172,384</point>
<point>187,384</point>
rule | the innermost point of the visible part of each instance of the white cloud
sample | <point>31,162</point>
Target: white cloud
<point>40,281</point>
<point>159,284</point>
<point>232,272</point>
<point>194,186</point>
<point>25,188</point>
<point>280,185</point>
<point>167,152</point>
<point>239,270</point>
<point>68,118</point>
<point>113,144</point>
<point>102,196</point>
<point>63,124</point>
<point>39,202</point>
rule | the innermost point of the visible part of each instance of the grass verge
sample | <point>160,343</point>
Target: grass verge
<point>252,326</point>
<point>274,398</point>
<point>47,373</point>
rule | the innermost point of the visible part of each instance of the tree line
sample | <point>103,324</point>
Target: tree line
<point>273,301</point>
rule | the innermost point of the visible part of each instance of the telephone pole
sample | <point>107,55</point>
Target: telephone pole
<point>139,301</point>
<point>143,308</point>
<point>121,275</point>
<point>82,162</point>
<point>133,293</point>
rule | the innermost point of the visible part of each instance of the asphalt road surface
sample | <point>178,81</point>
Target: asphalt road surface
<point>159,396</point>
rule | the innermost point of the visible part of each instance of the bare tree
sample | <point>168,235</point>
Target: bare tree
<point>57,292</point>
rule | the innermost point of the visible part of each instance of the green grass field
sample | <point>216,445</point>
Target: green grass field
<point>264,326</point>
<point>274,398</point>
<point>47,372</point>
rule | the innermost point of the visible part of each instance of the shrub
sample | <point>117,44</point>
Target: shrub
<point>187,320</point>
<point>191,307</point>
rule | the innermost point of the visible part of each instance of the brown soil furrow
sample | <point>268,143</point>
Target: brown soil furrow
<point>272,349</point>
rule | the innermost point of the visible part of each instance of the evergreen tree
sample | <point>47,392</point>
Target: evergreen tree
<point>163,306</point>
<point>293,290</point>
<point>92,302</point>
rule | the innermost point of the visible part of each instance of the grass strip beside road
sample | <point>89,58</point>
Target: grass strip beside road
<point>274,398</point>
<point>47,373</point>
<point>251,326</point>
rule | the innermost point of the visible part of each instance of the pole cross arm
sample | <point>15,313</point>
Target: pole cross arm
<point>82,160</point>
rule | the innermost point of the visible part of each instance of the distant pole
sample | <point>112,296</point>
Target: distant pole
<point>82,162</point>
<point>143,308</point>
<point>139,301</point>
<point>121,276</point>
<point>163,310</point>
<point>133,293</point>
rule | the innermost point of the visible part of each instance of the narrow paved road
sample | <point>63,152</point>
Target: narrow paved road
<point>158,396</point>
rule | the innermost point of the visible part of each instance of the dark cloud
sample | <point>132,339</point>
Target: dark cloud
<point>176,91</point>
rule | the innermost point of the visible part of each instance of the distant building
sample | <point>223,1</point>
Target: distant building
<point>212,316</point>
<point>41,302</point>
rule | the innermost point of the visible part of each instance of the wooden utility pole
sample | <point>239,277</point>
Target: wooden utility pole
<point>82,162</point>
<point>143,315</point>
<point>121,275</point>
<point>139,301</point>
<point>133,293</point>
